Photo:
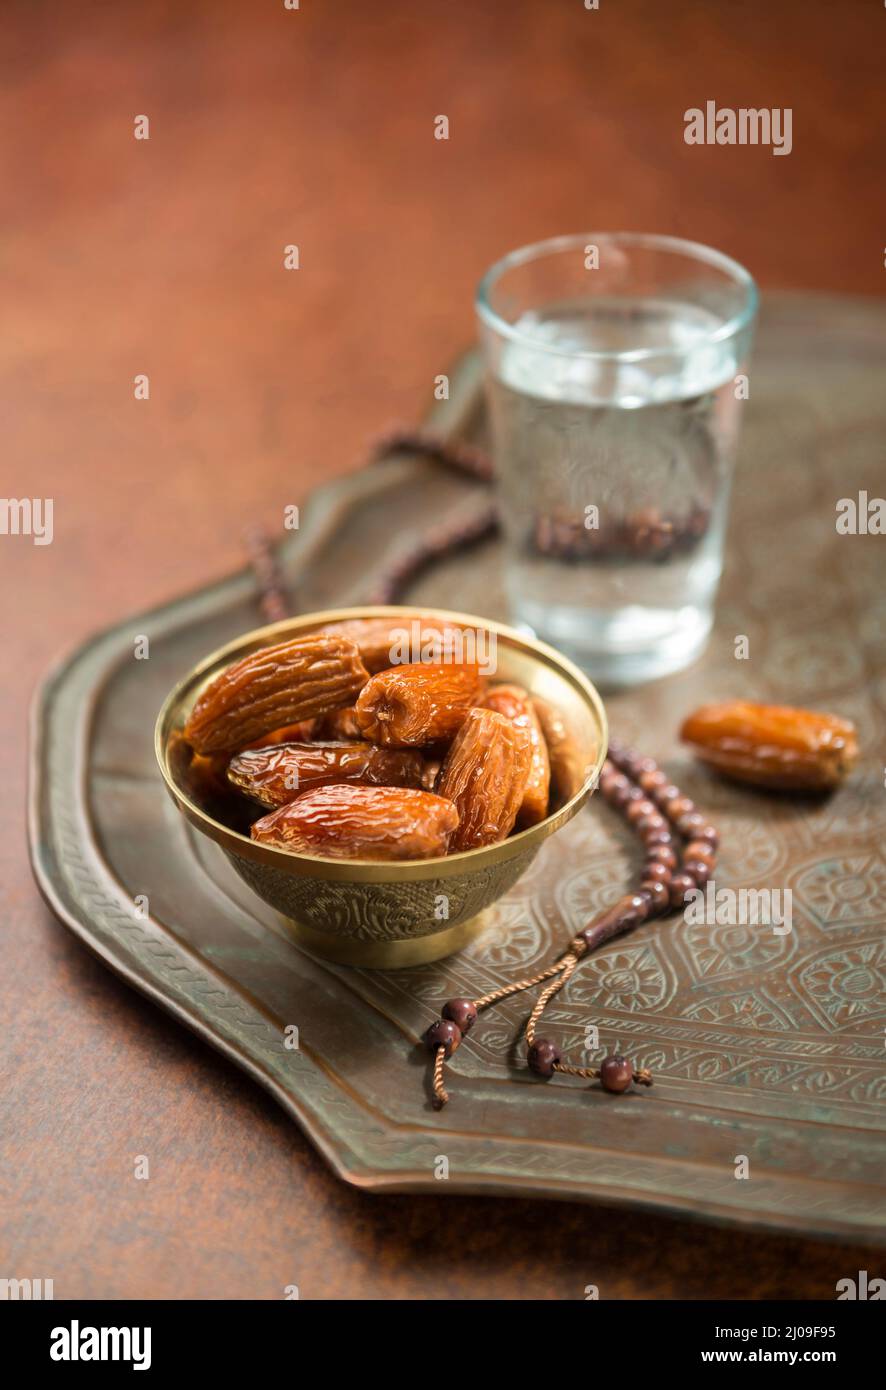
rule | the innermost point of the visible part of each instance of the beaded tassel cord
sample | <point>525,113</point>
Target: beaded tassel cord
<point>634,785</point>
<point>662,817</point>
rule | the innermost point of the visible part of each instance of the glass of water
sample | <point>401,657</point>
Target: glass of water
<point>616,370</point>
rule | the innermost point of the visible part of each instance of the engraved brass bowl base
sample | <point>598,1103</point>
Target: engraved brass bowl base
<point>386,955</point>
<point>384,925</point>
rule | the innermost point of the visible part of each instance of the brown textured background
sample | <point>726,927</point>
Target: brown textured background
<point>316,127</point>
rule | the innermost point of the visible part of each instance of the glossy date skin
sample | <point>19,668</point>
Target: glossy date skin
<point>485,775</point>
<point>275,776</point>
<point>408,706</point>
<point>273,687</point>
<point>567,769</point>
<point>514,703</point>
<point>344,821</point>
<point>774,746</point>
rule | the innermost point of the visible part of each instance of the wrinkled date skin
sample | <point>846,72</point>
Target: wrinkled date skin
<point>773,745</point>
<point>514,703</point>
<point>276,776</point>
<point>408,706</point>
<point>273,687</point>
<point>382,642</point>
<point>354,822</point>
<point>485,775</point>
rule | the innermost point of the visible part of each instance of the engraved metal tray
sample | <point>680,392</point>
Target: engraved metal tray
<point>762,1045</point>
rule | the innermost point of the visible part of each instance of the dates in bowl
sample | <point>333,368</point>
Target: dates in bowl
<point>380,776</point>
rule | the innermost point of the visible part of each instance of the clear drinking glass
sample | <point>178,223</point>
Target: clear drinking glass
<point>616,369</point>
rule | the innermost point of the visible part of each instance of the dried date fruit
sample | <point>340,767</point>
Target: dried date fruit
<point>276,776</point>
<point>773,745</point>
<point>344,821</point>
<point>401,641</point>
<point>272,687</point>
<point>568,768</point>
<point>408,706</point>
<point>339,726</point>
<point>485,775</point>
<point>514,703</point>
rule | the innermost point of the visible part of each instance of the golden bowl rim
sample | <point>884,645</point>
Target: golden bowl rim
<point>375,870</point>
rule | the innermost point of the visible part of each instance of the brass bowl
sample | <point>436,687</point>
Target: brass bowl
<point>363,912</point>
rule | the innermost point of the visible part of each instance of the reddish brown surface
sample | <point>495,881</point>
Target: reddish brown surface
<point>315,127</point>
